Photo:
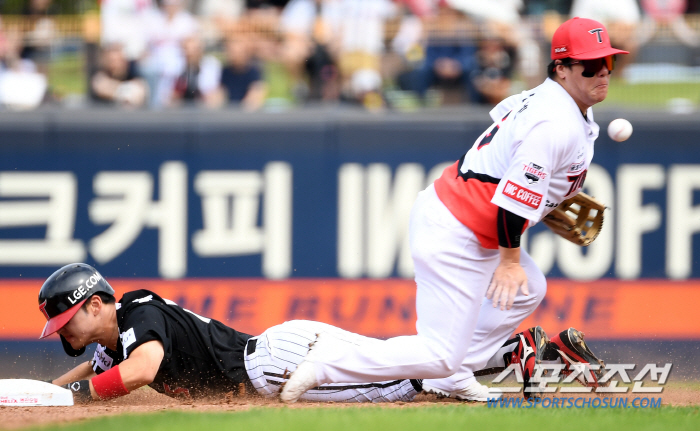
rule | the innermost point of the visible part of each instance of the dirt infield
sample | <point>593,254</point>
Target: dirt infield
<point>146,400</point>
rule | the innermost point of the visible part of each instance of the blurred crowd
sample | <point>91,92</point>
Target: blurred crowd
<point>255,54</point>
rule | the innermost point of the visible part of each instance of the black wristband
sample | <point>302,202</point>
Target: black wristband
<point>81,390</point>
<point>510,228</point>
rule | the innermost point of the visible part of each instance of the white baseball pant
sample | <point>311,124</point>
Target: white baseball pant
<point>456,333</point>
<point>282,347</point>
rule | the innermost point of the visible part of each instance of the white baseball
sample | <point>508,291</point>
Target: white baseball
<point>619,130</point>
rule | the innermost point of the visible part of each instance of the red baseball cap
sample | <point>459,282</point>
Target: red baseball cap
<point>582,39</point>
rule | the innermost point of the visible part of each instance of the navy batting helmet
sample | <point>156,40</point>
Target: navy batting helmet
<point>64,292</point>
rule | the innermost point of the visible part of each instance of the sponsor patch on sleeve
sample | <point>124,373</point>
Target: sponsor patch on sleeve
<point>128,338</point>
<point>101,359</point>
<point>522,195</point>
<point>534,173</point>
<point>575,167</point>
<point>144,299</point>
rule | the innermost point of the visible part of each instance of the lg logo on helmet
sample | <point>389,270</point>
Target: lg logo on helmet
<point>597,32</point>
<point>81,291</point>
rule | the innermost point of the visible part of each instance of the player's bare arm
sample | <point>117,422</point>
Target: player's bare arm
<point>142,365</point>
<point>508,278</point>
<point>83,371</point>
<point>138,370</point>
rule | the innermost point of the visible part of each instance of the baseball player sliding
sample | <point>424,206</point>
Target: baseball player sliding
<point>465,232</point>
<point>146,340</point>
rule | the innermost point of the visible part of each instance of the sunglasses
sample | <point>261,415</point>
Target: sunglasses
<point>592,67</point>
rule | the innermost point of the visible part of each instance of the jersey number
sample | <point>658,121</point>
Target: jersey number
<point>489,136</point>
<point>487,139</point>
<point>576,181</point>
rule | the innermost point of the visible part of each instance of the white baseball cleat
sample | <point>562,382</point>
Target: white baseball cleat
<point>301,380</point>
<point>474,392</point>
<point>304,377</point>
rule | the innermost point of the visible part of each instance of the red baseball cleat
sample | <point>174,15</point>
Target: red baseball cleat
<point>574,353</point>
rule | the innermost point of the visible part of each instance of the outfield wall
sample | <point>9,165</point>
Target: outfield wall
<point>184,194</point>
<point>254,220</point>
<point>638,322</point>
<point>609,309</point>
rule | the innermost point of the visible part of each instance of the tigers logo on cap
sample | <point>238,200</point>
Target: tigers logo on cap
<point>582,39</point>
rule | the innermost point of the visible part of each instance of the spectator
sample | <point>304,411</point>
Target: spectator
<point>668,13</point>
<point>309,48</point>
<point>40,34</point>
<point>218,17</point>
<point>21,86</point>
<point>123,22</point>
<point>167,27</point>
<point>361,26</point>
<point>407,45</point>
<point>502,18</point>
<point>199,82</point>
<point>266,5</point>
<point>450,57</point>
<point>419,8</point>
<point>491,79</point>
<point>621,18</point>
<point>264,14</point>
<point>540,7</point>
<point>117,81</point>
<point>220,8</point>
<point>351,32</point>
<point>495,11</point>
<point>241,78</point>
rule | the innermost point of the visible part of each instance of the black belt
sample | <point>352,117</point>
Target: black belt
<point>250,346</point>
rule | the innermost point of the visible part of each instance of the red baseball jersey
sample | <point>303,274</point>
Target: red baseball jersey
<point>534,156</point>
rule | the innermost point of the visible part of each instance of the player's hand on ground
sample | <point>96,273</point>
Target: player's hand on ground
<point>508,278</point>
<point>80,390</point>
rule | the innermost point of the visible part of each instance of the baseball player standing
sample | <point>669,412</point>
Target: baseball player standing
<point>465,233</point>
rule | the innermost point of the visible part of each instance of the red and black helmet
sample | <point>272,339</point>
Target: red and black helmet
<point>64,292</point>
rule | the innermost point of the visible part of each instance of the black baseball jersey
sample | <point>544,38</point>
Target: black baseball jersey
<point>201,355</point>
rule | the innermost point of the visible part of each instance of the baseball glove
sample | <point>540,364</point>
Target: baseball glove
<point>578,219</point>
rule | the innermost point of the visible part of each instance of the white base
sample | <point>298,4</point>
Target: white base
<point>24,392</point>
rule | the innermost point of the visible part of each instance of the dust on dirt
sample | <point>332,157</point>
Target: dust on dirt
<point>146,400</point>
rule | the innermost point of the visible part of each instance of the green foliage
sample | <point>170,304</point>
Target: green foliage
<point>279,83</point>
<point>66,75</point>
<point>656,95</point>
